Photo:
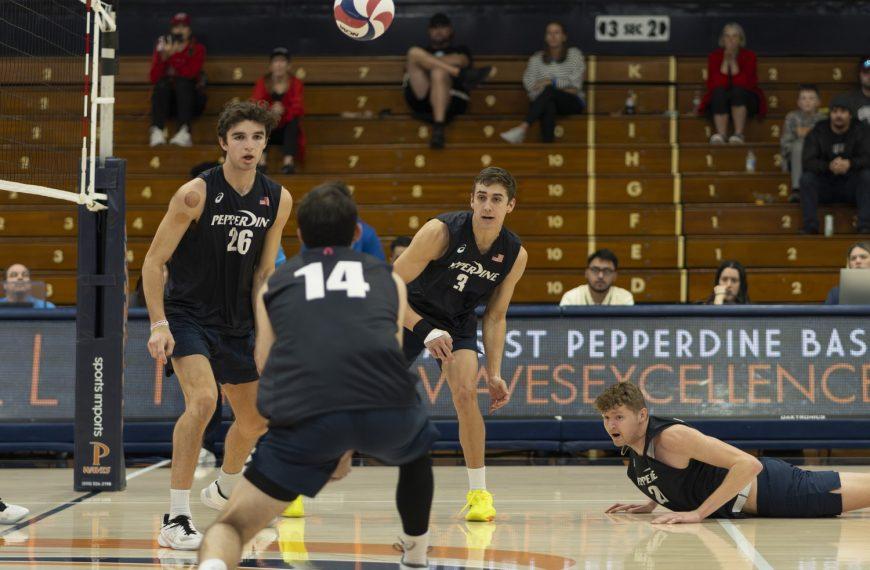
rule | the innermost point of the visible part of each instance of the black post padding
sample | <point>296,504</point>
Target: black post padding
<point>101,330</point>
<point>109,65</point>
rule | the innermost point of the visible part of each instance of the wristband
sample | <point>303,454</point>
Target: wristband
<point>163,323</point>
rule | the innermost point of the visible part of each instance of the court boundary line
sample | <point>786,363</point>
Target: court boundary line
<point>68,504</point>
<point>743,544</point>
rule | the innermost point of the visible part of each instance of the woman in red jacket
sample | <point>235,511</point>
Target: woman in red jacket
<point>282,93</point>
<point>176,68</point>
<point>732,86</point>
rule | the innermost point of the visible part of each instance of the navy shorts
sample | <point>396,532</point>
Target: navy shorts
<point>786,491</point>
<point>231,357</point>
<point>299,460</point>
<point>412,345</point>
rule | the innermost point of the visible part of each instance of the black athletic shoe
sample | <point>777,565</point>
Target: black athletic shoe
<point>794,197</point>
<point>436,141</point>
<point>809,231</point>
<point>472,77</point>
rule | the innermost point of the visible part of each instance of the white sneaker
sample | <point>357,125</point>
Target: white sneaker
<point>212,497</point>
<point>182,137</point>
<point>515,135</point>
<point>206,458</point>
<point>157,137</point>
<point>11,514</point>
<point>404,547</point>
<point>179,534</point>
<point>717,139</point>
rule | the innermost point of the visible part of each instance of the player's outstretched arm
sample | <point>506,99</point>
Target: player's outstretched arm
<point>265,334</point>
<point>494,329</point>
<point>271,244</point>
<point>184,208</point>
<point>742,468</point>
<point>403,308</point>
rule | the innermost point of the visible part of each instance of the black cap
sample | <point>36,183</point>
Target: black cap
<point>280,52</point>
<point>864,66</point>
<point>841,101</point>
<point>439,20</point>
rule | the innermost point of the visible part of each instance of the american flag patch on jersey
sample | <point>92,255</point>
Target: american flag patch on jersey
<point>264,201</point>
<point>498,258</point>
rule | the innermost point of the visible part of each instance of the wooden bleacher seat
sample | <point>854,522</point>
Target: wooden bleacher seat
<point>772,285</point>
<point>788,251</point>
<point>744,219</point>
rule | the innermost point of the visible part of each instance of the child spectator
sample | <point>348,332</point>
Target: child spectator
<point>797,125</point>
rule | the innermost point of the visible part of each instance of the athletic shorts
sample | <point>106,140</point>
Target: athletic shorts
<point>412,345</point>
<point>299,460</point>
<point>422,108</point>
<point>231,357</point>
<point>786,491</point>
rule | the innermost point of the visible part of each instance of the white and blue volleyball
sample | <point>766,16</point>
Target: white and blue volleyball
<point>363,20</point>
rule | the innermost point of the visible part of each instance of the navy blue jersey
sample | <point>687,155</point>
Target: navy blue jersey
<point>211,272</point>
<point>451,287</point>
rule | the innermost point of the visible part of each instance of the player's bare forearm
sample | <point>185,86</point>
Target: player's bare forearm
<point>494,330</point>
<point>152,288</point>
<point>265,335</point>
<point>428,244</point>
<point>738,477</point>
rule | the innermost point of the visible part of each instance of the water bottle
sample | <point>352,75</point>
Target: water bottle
<point>629,103</point>
<point>750,161</point>
<point>829,225</point>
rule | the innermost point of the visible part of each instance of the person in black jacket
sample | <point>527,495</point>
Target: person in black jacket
<point>836,163</point>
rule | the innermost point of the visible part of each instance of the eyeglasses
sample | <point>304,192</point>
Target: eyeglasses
<point>603,271</point>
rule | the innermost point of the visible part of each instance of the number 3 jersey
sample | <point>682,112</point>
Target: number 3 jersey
<point>451,287</point>
<point>677,489</point>
<point>333,312</point>
<point>211,273</point>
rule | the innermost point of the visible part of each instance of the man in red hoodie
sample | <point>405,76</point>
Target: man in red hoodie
<point>175,69</point>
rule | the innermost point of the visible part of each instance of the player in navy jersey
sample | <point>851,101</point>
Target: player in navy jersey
<point>219,239</point>
<point>334,379</point>
<point>456,262</point>
<point>698,476</point>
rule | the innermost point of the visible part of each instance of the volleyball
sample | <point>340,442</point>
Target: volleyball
<point>363,20</point>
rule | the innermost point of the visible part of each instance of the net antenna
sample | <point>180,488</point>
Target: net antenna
<point>98,96</point>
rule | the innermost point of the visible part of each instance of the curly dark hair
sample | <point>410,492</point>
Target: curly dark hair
<point>238,111</point>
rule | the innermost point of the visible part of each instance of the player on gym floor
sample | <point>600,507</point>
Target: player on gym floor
<point>219,239</point>
<point>456,262</point>
<point>699,476</point>
<point>334,379</point>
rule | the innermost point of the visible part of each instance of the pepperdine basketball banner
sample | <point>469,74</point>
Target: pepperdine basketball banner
<point>791,366</point>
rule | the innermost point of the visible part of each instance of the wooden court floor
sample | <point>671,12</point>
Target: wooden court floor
<point>550,518</point>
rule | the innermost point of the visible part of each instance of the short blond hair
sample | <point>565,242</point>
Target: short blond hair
<point>737,27</point>
<point>621,394</point>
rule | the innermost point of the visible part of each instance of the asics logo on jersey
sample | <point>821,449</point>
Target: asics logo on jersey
<point>460,249</point>
<point>219,198</point>
<point>249,220</point>
<point>474,269</point>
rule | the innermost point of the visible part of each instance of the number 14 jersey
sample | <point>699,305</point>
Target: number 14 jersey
<point>211,273</point>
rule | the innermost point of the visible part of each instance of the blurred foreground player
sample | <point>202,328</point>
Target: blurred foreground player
<point>699,476</point>
<point>456,262</point>
<point>329,337</point>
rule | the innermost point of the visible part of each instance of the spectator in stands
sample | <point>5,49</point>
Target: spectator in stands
<point>281,92</point>
<point>601,274</point>
<point>858,257</point>
<point>859,98</point>
<point>554,82</point>
<point>19,289</point>
<point>836,164</point>
<point>397,246</point>
<point>179,82</point>
<point>439,78</point>
<point>730,286</point>
<point>732,86</point>
<point>797,125</point>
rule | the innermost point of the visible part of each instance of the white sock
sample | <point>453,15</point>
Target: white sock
<point>179,502</point>
<point>212,564</point>
<point>477,479</point>
<point>227,481</point>
<point>416,549</point>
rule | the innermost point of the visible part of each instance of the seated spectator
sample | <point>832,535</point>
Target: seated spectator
<point>554,82</point>
<point>179,83</point>
<point>19,288</point>
<point>369,242</point>
<point>732,86</point>
<point>730,286</point>
<point>397,246</point>
<point>601,274</point>
<point>439,78</point>
<point>859,98</point>
<point>836,164</point>
<point>282,94</point>
<point>858,257</point>
<point>797,125</point>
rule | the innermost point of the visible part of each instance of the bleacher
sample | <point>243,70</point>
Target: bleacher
<point>647,185</point>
